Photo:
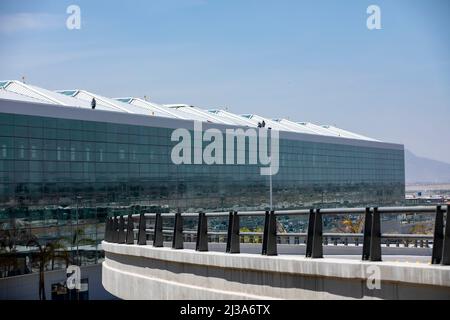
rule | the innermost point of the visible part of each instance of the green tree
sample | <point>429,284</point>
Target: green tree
<point>12,234</point>
<point>46,254</point>
<point>245,238</point>
<point>352,226</point>
<point>421,228</point>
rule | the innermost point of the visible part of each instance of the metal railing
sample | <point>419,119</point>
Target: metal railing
<point>120,229</point>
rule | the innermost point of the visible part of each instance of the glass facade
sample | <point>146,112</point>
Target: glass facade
<point>57,174</point>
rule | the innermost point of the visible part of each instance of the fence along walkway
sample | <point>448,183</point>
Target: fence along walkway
<point>121,229</point>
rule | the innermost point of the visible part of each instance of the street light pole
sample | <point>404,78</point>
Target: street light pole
<point>270,171</point>
<point>270,183</point>
<point>76,232</point>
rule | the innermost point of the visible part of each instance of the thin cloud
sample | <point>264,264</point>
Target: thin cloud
<point>46,58</point>
<point>19,22</point>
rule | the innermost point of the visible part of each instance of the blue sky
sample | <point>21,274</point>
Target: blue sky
<point>304,60</point>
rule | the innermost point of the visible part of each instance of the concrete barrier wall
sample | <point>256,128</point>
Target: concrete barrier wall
<point>144,272</point>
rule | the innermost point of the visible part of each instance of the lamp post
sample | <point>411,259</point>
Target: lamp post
<point>76,231</point>
<point>270,184</point>
<point>270,170</point>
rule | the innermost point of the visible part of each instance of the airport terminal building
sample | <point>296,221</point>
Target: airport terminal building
<point>60,158</point>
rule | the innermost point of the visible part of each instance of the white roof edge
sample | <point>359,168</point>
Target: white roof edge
<point>97,97</point>
<point>74,90</point>
<point>227,117</point>
<point>319,129</point>
<point>154,105</point>
<point>349,133</point>
<point>268,121</point>
<point>50,110</point>
<point>237,119</point>
<point>30,87</point>
<point>13,96</point>
<point>203,114</point>
<point>178,105</point>
<point>121,98</point>
<point>298,127</point>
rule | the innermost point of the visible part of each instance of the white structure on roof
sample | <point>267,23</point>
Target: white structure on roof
<point>327,130</point>
<point>231,117</point>
<point>347,134</point>
<point>19,89</point>
<point>318,129</point>
<point>297,127</point>
<point>9,95</point>
<point>156,109</point>
<point>111,103</point>
<point>194,113</point>
<point>333,131</point>
<point>269,123</point>
<point>16,90</point>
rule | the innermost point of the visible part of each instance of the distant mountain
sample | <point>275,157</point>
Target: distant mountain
<point>423,170</point>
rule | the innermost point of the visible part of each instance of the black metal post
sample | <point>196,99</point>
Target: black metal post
<point>375,239</point>
<point>230,227</point>
<point>177,241</point>
<point>105,237</point>
<point>309,239</point>
<point>438,238</point>
<point>367,234</point>
<point>111,229</point>
<point>142,233</point>
<point>271,249</point>
<point>121,234</point>
<point>158,238</point>
<point>108,230</point>
<point>317,247</point>
<point>202,233</point>
<point>233,241</point>
<point>446,247</point>
<point>115,230</point>
<point>265,232</point>
<point>270,234</point>
<point>130,230</point>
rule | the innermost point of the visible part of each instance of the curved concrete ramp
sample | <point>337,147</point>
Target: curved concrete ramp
<point>145,272</point>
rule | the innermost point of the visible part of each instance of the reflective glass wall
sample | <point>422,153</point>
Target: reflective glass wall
<point>60,178</point>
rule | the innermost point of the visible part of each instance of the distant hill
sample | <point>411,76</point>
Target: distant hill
<point>423,170</point>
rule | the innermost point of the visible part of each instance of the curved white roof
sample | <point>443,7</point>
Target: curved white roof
<point>114,104</point>
<point>234,118</point>
<point>269,123</point>
<point>310,128</point>
<point>16,90</point>
<point>347,134</point>
<point>9,95</point>
<point>194,113</point>
<point>47,96</point>
<point>155,109</point>
<point>318,129</point>
<point>294,126</point>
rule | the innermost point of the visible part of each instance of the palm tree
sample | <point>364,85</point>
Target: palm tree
<point>421,228</point>
<point>245,238</point>
<point>348,225</point>
<point>352,226</point>
<point>258,238</point>
<point>47,253</point>
<point>12,234</point>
